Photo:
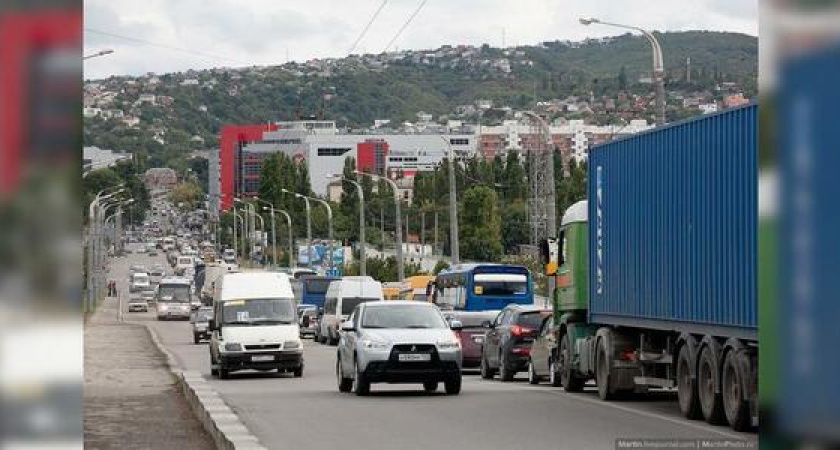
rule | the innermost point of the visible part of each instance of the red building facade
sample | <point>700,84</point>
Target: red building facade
<point>231,141</point>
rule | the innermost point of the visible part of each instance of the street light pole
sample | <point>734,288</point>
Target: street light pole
<point>237,216</point>
<point>658,63</point>
<point>291,238</point>
<point>330,230</point>
<point>235,250</point>
<point>362,253</point>
<point>398,231</point>
<point>453,206</point>
<point>551,197</point>
<point>308,225</point>
<point>273,229</point>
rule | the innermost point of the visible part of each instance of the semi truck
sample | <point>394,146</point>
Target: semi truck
<point>656,277</point>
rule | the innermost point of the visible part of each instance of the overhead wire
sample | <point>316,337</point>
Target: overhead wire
<point>367,27</point>
<point>166,46</point>
<point>405,25</point>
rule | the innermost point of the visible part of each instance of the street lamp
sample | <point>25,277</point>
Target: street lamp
<point>398,231</point>
<point>453,206</point>
<point>308,225</point>
<point>273,229</point>
<point>658,63</point>
<point>360,190</point>
<point>550,200</point>
<point>241,219</point>
<point>291,239</point>
<point>99,53</point>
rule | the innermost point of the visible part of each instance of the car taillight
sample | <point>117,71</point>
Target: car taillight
<point>519,330</point>
<point>521,350</point>
<point>628,355</point>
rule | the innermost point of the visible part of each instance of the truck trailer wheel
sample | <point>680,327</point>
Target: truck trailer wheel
<point>736,408</point>
<point>686,386</point>
<point>602,372</point>
<point>711,402</point>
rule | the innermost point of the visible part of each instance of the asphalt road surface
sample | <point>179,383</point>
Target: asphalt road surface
<point>309,412</point>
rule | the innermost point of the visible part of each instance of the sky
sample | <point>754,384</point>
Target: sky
<point>164,36</point>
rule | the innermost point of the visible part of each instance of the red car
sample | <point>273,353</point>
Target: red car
<point>472,334</point>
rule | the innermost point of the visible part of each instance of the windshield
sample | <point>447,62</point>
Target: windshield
<point>350,303</point>
<point>500,284</point>
<point>420,297</point>
<point>532,319</point>
<point>316,286</point>
<point>141,278</point>
<point>402,316</point>
<point>174,293</point>
<point>259,311</point>
<point>185,261</point>
<point>473,319</point>
<point>203,315</point>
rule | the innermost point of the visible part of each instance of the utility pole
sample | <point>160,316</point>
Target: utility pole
<point>453,206</point>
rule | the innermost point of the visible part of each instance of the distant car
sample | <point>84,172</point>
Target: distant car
<point>507,343</point>
<point>200,320</point>
<point>137,304</point>
<point>398,342</point>
<point>148,296</point>
<point>139,282</point>
<point>308,322</point>
<point>472,333</point>
<point>140,250</point>
<point>136,268</point>
<point>542,363</point>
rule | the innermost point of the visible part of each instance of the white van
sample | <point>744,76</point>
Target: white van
<point>254,325</point>
<point>342,296</point>
<point>184,264</point>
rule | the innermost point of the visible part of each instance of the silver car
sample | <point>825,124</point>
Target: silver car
<point>398,342</point>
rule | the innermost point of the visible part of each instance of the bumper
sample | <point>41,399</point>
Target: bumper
<point>169,315</point>
<point>386,367</point>
<point>202,334</point>
<point>138,307</point>
<point>517,358</point>
<point>246,360</point>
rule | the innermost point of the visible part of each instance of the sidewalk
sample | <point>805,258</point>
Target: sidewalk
<point>131,400</point>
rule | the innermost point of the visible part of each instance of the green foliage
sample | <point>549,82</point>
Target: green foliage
<point>383,269</point>
<point>188,193</point>
<point>124,172</point>
<point>441,265</point>
<point>481,238</point>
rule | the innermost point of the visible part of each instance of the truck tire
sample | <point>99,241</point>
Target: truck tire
<point>602,372</point>
<point>687,386</point>
<point>452,385</point>
<point>732,385</point>
<point>570,380</point>
<point>554,373</point>
<point>711,402</point>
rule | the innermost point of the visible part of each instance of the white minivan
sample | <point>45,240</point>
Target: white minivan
<point>254,325</point>
<point>342,296</point>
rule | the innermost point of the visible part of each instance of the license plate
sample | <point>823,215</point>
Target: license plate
<point>478,339</point>
<point>260,358</point>
<point>415,357</point>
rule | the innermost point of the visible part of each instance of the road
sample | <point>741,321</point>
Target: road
<point>309,412</point>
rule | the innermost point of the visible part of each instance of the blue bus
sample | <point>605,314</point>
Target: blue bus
<point>311,290</point>
<point>482,287</point>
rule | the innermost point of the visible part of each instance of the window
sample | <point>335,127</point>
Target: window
<point>459,141</point>
<point>333,151</point>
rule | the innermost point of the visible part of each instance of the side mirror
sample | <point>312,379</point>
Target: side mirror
<point>456,325</point>
<point>347,326</point>
<point>487,324</point>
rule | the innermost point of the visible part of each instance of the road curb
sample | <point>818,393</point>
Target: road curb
<point>216,417</point>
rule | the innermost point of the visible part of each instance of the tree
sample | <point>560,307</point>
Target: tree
<point>481,236</point>
<point>622,79</point>
<point>187,193</point>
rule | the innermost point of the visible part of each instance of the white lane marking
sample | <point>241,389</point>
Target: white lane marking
<point>654,415</point>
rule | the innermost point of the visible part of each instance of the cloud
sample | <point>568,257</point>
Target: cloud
<point>263,32</point>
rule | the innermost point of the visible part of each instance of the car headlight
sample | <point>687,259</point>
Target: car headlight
<point>233,347</point>
<point>374,345</point>
<point>447,345</point>
<point>291,345</point>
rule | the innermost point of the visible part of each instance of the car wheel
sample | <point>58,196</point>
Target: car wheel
<point>486,372</point>
<point>344,384</point>
<point>553,373</point>
<point>430,386</point>
<point>298,372</point>
<point>361,386</point>
<point>196,339</point>
<point>532,375</point>
<point>224,374</point>
<point>453,385</point>
<point>568,378</point>
<point>505,372</point>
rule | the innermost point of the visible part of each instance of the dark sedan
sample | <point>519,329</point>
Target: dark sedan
<point>507,344</point>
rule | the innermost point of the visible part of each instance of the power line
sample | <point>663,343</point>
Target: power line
<point>367,27</point>
<point>405,25</point>
<point>167,47</point>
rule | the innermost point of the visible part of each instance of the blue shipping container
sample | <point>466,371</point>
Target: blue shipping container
<point>672,227</point>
